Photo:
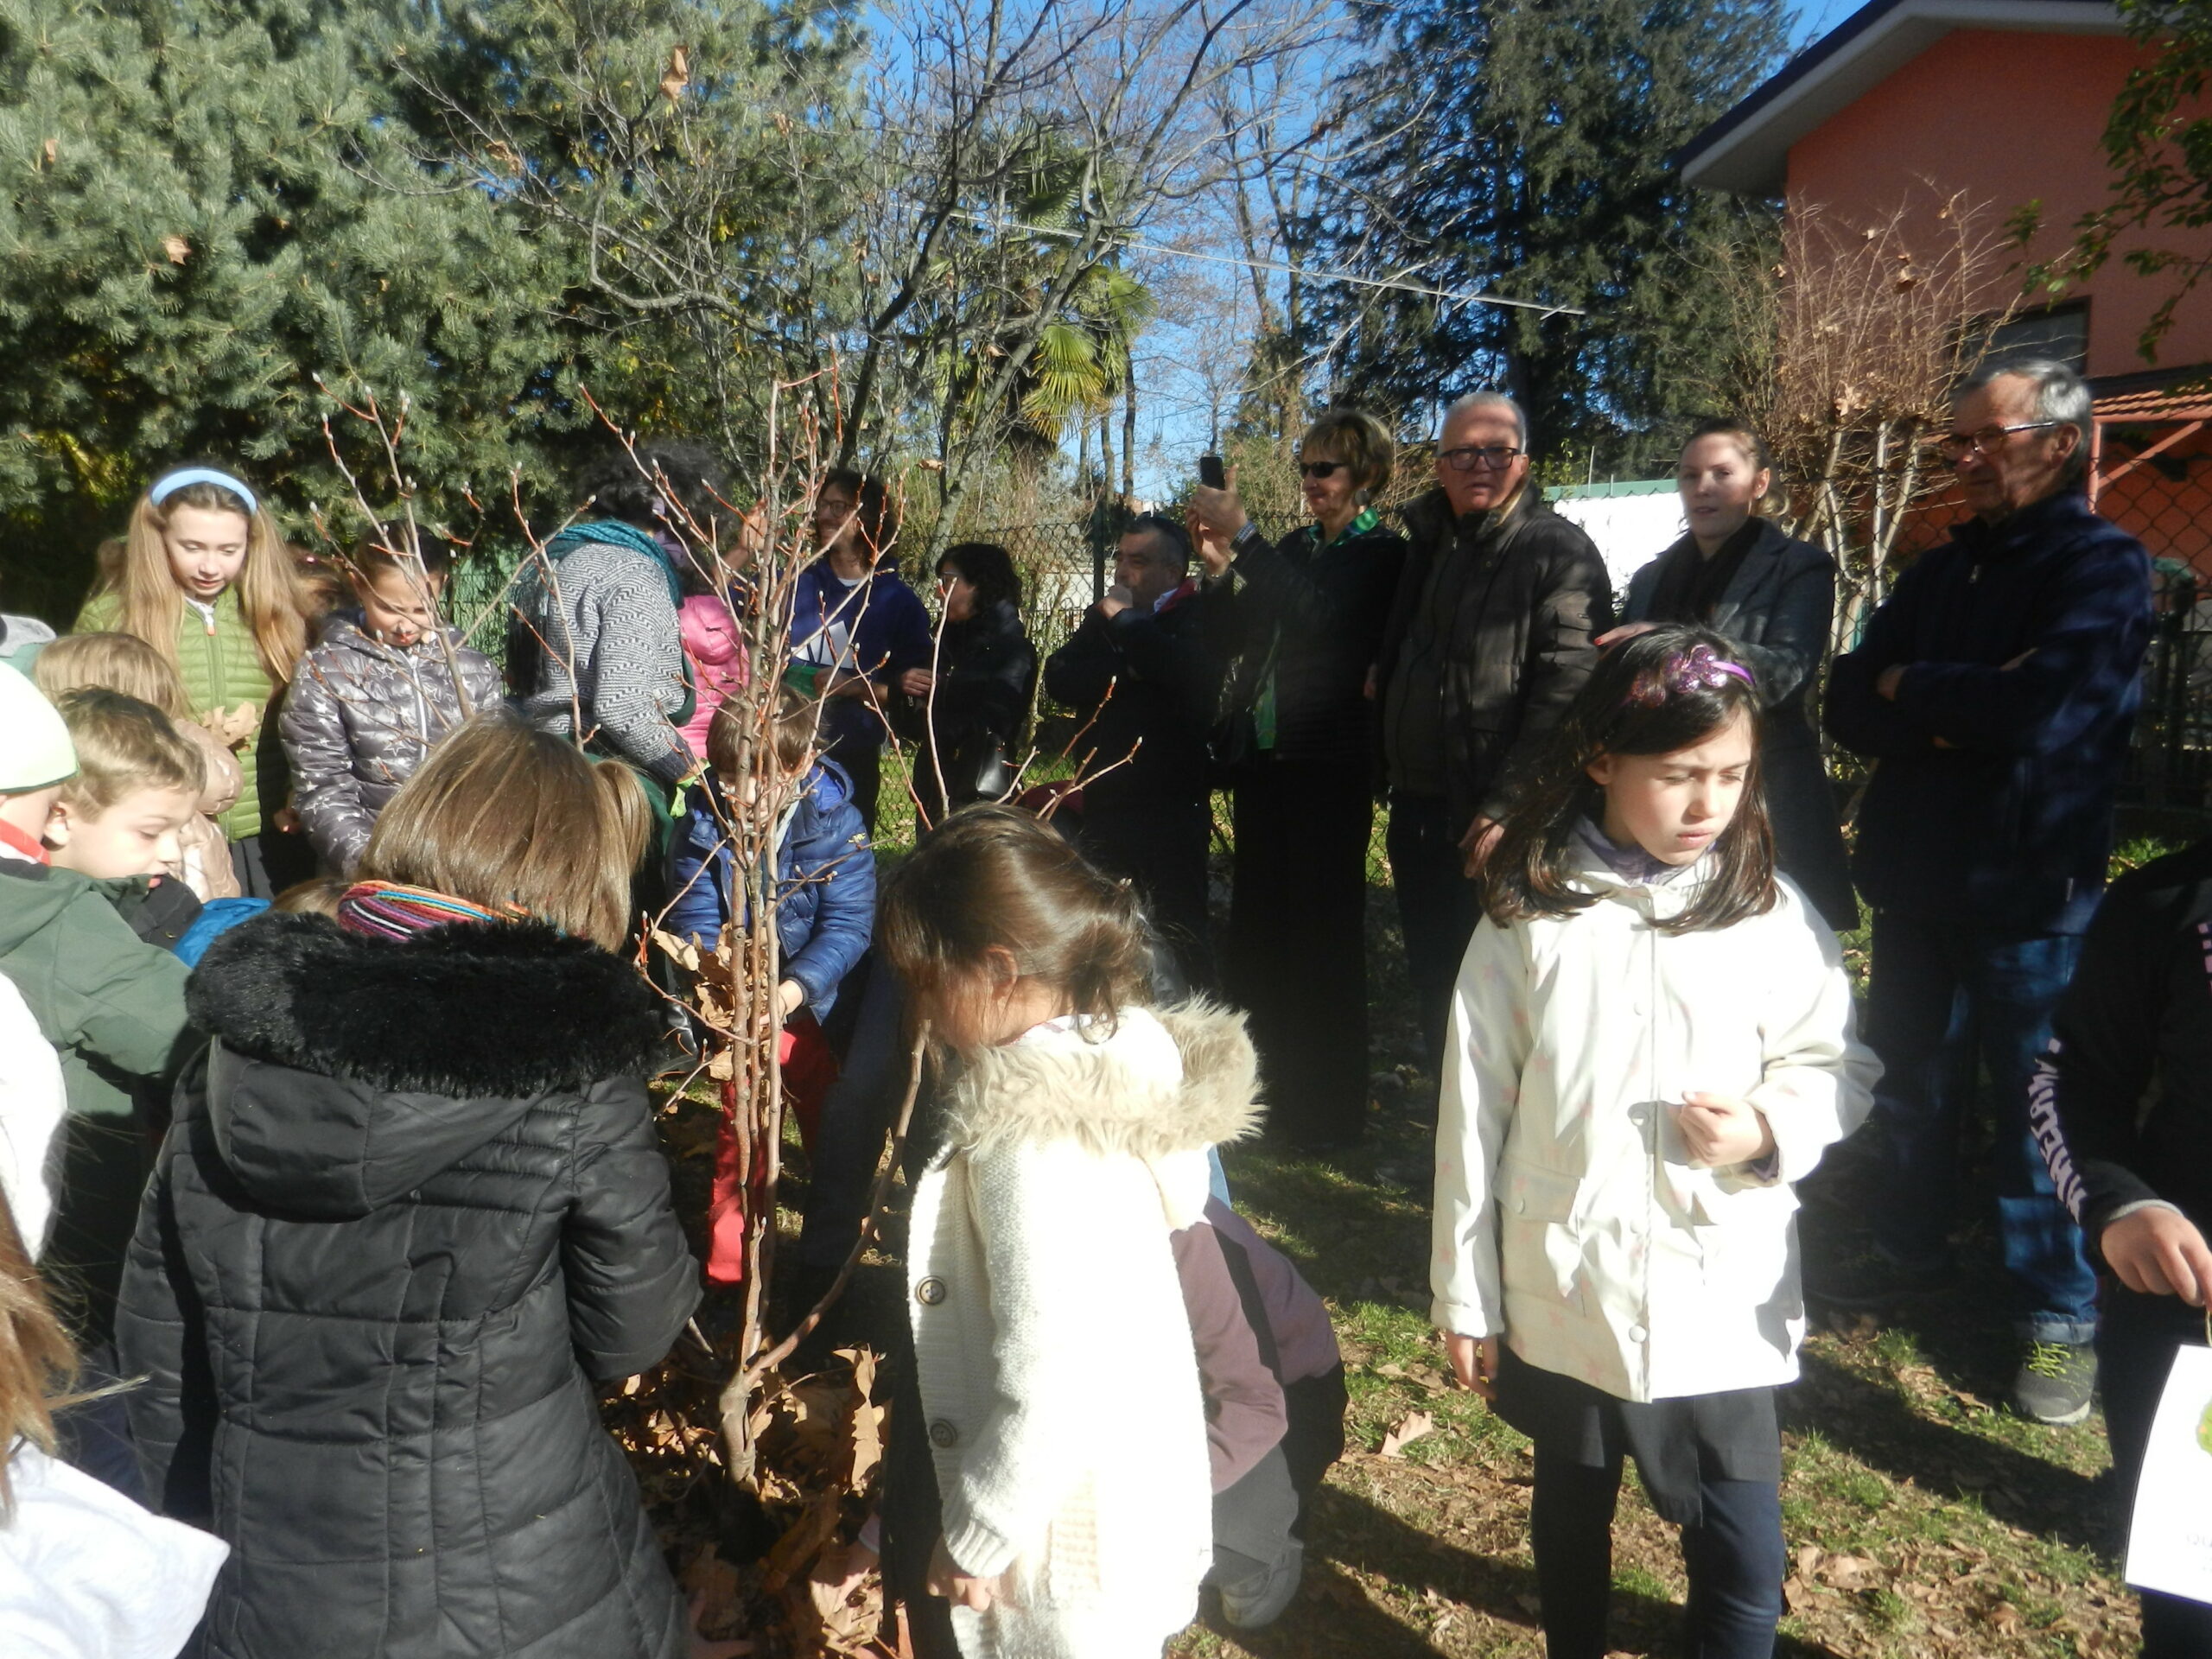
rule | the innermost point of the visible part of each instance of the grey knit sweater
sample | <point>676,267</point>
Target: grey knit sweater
<point>606,615</point>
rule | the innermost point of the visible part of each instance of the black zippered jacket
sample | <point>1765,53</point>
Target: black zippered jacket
<point>2123,1103</point>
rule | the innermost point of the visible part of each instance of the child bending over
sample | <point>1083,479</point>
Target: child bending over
<point>1049,1476</point>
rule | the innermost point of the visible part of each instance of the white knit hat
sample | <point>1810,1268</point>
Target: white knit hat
<point>34,746</point>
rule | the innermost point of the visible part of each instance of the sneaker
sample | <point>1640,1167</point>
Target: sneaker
<point>1874,1281</point>
<point>1259,1601</point>
<point>2055,1383</point>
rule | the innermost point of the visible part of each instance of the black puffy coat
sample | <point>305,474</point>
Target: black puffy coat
<point>411,1206</point>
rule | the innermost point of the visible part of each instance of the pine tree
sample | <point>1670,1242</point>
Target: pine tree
<point>211,206</point>
<point>1525,147</point>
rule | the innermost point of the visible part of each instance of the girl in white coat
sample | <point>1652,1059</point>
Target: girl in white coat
<point>1651,1041</point>
<point>1049,1478</point>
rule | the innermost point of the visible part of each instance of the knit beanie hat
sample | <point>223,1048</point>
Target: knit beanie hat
<point>34,746</point>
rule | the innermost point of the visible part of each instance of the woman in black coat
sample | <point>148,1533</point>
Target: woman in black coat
<point>1774,598</point>
<point>1306,619</point>
<point>965,713</point>
<point>412,1214</point>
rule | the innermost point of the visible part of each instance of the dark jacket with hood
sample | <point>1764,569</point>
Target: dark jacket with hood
<point>1493,619</point>
<point>1778,611</point>
<point>411,1211</point>
<point>825,880</point>
<point>986,674</point>
<point>2022,645</point>
<point>361,716</point>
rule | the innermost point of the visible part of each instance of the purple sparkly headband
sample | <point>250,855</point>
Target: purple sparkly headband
<point>1698,668</point>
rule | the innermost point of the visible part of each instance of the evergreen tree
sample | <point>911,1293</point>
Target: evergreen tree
<point>1525,147</point>
<point>211,205</point>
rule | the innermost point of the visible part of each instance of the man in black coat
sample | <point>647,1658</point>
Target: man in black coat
<point>1996,690</point>
<point>1487,642</point>
<point>1142,671</point>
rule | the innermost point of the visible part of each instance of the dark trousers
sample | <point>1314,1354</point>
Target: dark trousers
<point>1437,906</point>
<point>93,1435</point>
<point>863,764</point>
<point>856,1111</point>
<point>1734,1553</point>
<point>2136,1343</point>
<point>1159,844</point>
<point>1296,955</point>
<point>1945,1003</point>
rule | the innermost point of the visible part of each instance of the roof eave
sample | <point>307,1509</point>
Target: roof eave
<point>1747,151</point>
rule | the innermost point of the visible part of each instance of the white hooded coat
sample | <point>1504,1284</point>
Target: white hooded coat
<point>1060,1386</point>
<point>1568,1216</point>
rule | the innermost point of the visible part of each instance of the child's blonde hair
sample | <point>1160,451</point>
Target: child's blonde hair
<point>316,896</point>
<point>37,1365</point>
<point>995,879</point>
<point>122,744</point>
<point>268,584</point>
<point>118,662</point>
<point>503,815</point>
<point>795,730</point>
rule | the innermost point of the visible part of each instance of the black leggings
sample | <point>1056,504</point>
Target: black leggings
<point>1734,1555</point>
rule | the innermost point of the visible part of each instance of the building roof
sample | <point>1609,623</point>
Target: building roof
<point>1747,150</point>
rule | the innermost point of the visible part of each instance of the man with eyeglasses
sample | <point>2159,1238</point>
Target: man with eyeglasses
<point>1995,692</point>
<point>1488,641</point>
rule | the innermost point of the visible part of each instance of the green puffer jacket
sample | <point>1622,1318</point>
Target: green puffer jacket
<point>113,1009</point>
<point>221,669</point>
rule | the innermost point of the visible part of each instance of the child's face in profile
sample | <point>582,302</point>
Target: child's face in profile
<point>1676,806</point>
<point>135,837</point>
<point>398,606</point>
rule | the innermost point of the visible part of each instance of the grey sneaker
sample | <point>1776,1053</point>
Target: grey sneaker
<point>2055,1382</point>
<point>1259,1601</point>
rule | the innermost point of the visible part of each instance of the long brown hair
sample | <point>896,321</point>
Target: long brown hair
<point>1634,702</point>
<point>37,1365</point>
<point>508,817</point>
<point>150,602</point>
<point>994,878</point>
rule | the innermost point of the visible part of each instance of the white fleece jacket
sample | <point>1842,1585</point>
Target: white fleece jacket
<point>1568,1216</point>
<point>1059,1387</point>
<point>32,1104</point>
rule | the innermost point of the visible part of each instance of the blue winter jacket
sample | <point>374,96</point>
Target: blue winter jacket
<point>890,633</point>
<point>826,881</point>
<point>2024,644</point>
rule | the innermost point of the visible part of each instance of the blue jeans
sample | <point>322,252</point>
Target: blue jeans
<point>1945,1003</point>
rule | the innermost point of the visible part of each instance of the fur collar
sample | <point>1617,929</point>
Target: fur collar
<point>462,1011</point>
<point>1125,1093</point>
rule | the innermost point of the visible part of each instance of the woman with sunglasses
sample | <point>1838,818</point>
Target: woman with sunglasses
<point>1307,617</point>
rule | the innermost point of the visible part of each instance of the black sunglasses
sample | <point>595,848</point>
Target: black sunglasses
<point>1320,468</point>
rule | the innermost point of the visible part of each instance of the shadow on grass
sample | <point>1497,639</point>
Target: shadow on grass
<point>1334,1615</point>
<point>1861,1416</point>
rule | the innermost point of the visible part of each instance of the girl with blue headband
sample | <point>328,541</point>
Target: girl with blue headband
<point>204,580</point>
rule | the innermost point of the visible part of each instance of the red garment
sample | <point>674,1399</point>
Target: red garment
<point>810,1066</point>
<point>26,846</point>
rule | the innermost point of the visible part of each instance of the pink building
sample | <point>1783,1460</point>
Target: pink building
<point>2006,101</point>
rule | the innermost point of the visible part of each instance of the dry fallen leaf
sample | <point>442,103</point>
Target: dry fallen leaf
<point>177,248</point>
<point>1409,1429</point>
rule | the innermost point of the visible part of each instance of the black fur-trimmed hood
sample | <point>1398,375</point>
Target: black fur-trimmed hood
<point>348,1069</point>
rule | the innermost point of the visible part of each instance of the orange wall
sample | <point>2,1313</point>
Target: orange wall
<point>2009,118</point>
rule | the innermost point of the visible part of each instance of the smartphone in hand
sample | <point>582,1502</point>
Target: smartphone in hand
<point>1211,474</point>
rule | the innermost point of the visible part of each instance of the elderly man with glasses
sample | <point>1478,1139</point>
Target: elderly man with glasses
<point>1994,692</point>
<point>1489,639</point>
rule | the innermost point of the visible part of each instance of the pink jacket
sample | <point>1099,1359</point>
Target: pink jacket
<point>718,659</point>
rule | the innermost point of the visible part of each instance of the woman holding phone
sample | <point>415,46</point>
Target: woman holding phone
<point>1297,745</point>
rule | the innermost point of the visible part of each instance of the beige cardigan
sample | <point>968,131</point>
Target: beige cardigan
<point>1059,1387</point>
